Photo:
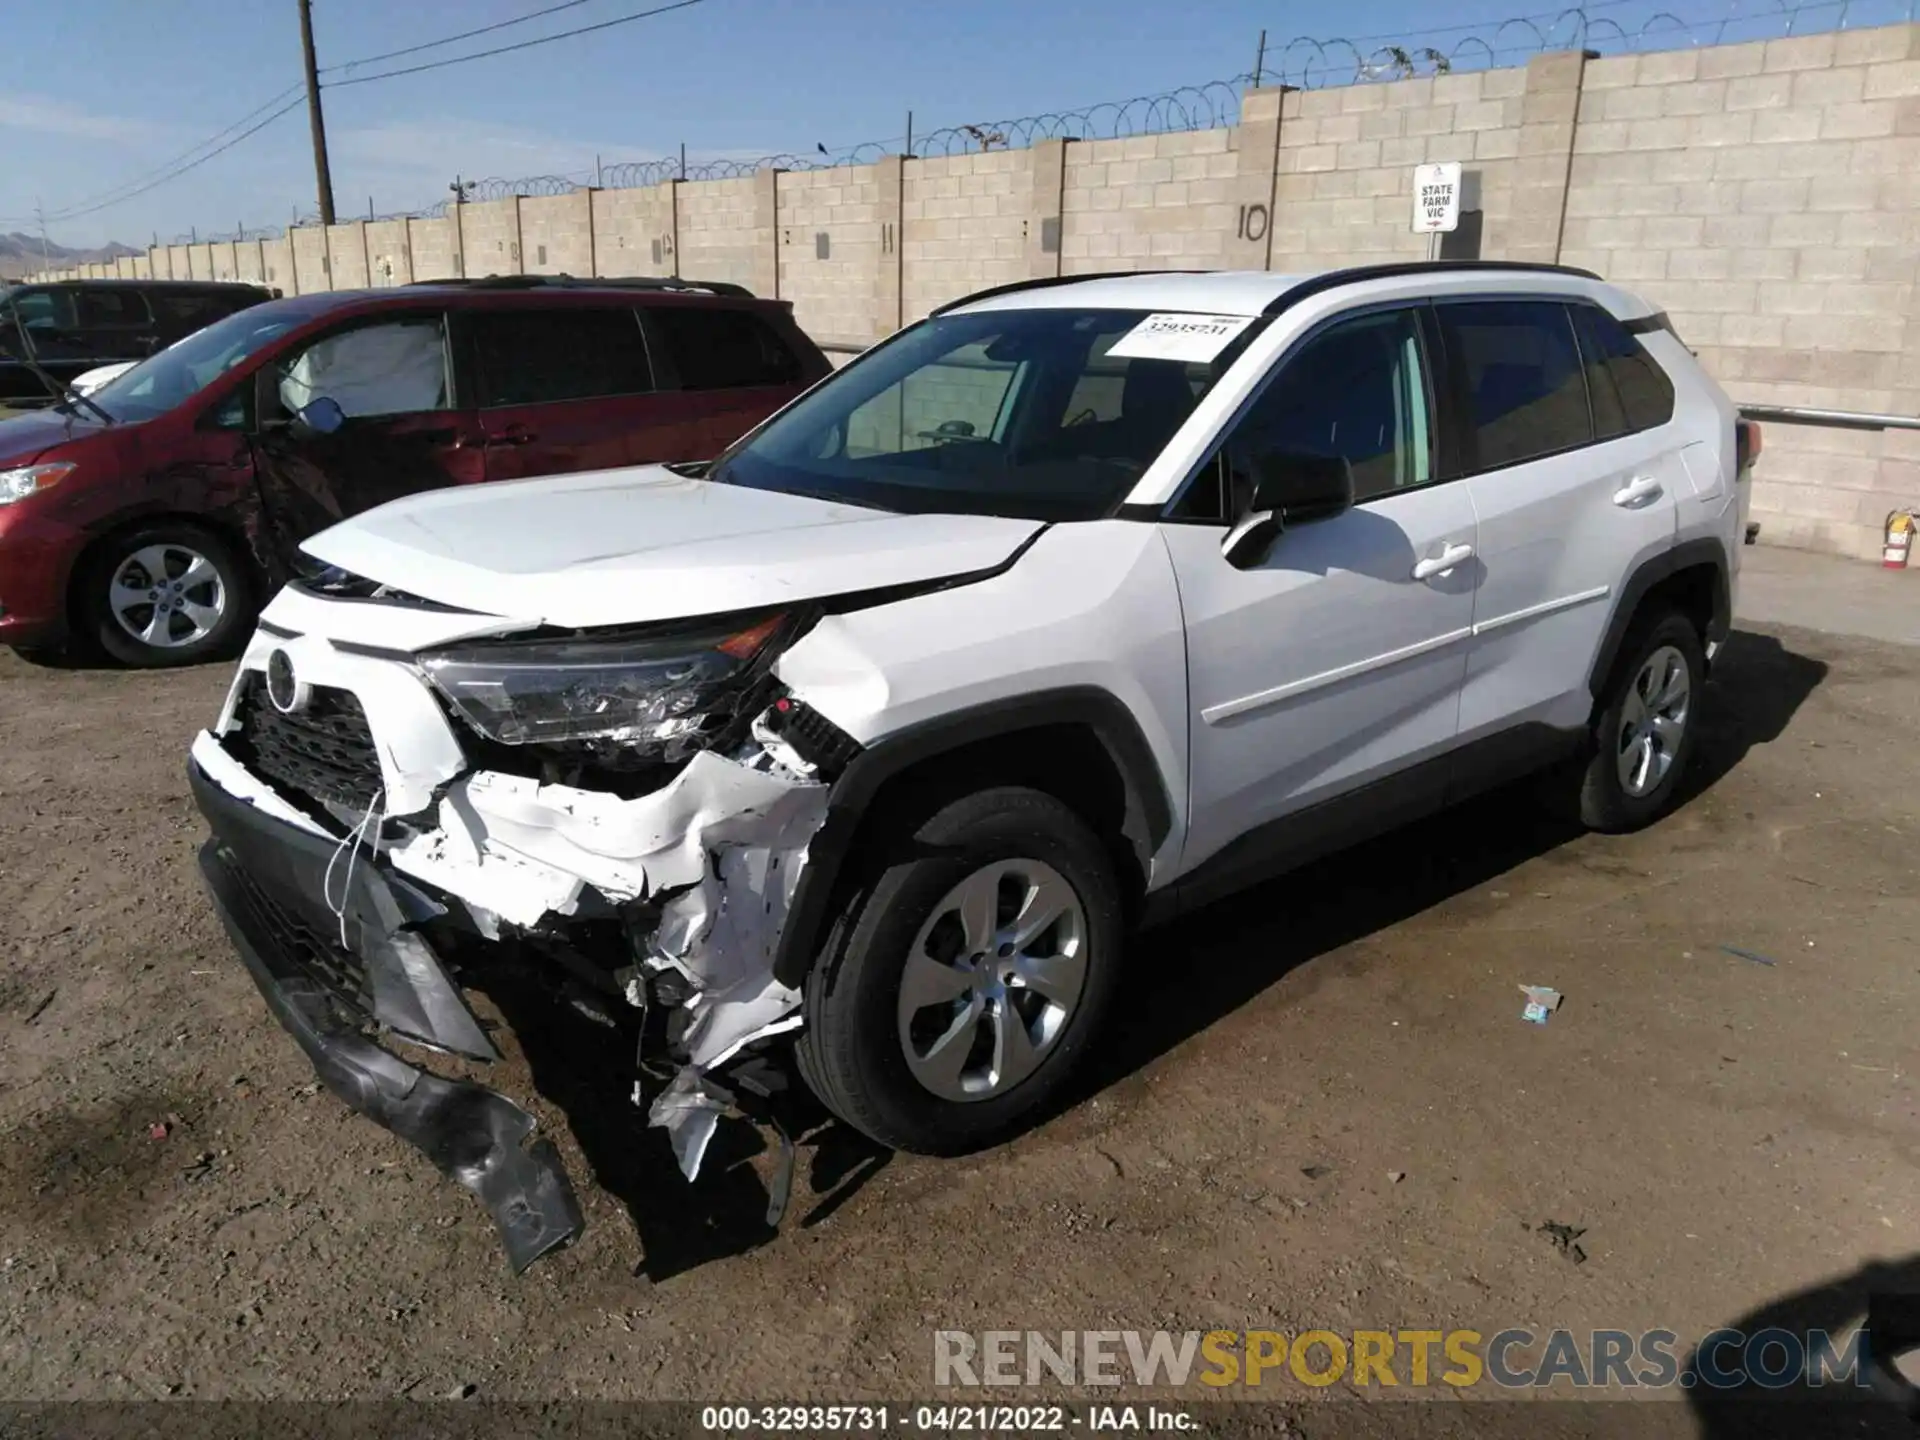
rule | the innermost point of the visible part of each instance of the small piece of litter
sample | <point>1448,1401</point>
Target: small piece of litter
<point>1563,1238</point>
<point>1396,1176</point>
<point>1740,954</point>
<point>1541,1002</point>
<point>158,1130</point>
<point>462,1392</point>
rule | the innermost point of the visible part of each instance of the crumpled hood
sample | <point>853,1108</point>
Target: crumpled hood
<point>622,547</point>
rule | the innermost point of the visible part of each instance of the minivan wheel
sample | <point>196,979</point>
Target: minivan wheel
<point>170,593</point>
<point>1649,717</point>
<point>962,986</point>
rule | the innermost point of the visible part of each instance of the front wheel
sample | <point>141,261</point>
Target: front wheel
<point>170,593</point>
<point>1644,737</point>
<point>964,985</point>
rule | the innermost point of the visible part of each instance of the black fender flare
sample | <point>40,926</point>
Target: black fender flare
<point>1688,554</point>
<point>1148,813</point>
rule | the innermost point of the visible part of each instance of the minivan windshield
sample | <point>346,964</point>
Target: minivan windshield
<point>156,385</point>
<point>1042,414</point>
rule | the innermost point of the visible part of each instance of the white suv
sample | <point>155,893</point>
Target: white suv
<point>1072,606</point>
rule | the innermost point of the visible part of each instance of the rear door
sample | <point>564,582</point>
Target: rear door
<point>115,323</point>
<point>731,366</point>
<point>1571,500</point>
<point>406,430</point>
<point>562,389</point>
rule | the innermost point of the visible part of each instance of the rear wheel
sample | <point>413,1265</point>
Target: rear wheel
<point>1644,737</point>
<point>169,593</point>
<point>962,987</point>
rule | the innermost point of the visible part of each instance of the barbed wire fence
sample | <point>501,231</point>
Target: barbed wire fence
<point>1601,28</point>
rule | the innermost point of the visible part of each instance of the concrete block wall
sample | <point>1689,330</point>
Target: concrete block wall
<point>1148,202</point>
<point>837,211</point>
<point>964,226</point>
<point>556,234</point>
<point>433,249</point>
<point>634,231</point>
<point>1767,195</point>
<point>489,237</point>
<point>388,259</point>
<point>721,233</point>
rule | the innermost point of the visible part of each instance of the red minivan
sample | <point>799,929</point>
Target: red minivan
<point>152,518</point>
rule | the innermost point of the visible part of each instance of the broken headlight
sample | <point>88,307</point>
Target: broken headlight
<point>648,692</point>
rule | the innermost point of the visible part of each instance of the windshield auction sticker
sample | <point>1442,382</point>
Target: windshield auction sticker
<point>1193,339</point>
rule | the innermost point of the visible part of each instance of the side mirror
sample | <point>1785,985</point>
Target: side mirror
<point>1288,490</point>
<point>320,416</point>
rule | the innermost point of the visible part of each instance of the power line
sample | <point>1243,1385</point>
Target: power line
<point>450,39</point>
<point>187,154</point>
<point>522,45</point>
<point>159,180</point>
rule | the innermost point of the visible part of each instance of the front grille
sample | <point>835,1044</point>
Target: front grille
<point>324,752</point>
<point>320,957</point>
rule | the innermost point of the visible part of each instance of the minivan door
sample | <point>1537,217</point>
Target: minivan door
<point>562,389</point>
<point>403,431</point>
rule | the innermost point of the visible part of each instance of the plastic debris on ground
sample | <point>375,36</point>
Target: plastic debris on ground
<point>1541,1002</point>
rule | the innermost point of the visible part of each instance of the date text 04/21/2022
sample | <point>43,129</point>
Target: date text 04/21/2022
<point>943,1419</point>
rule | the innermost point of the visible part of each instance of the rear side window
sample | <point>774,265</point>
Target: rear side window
<point>182,314</point>
<point>111,308</point>
<point>43,309</point>
<point>1519,370</point>
<point>1630,391</point>
<point>721,349</point>
<point>544,357</point>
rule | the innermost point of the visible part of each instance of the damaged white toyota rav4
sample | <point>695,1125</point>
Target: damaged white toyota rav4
<point>1072,606</point>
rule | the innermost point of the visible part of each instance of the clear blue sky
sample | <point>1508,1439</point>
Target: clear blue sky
<point>98,93</point>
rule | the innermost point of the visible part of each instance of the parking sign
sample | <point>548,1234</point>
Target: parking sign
<point>1436,198</point>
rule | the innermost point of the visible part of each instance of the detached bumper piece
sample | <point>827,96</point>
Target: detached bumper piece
<point>328,995</point>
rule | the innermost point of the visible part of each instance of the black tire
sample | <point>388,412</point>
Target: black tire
<point>99,626</point>
<point>850,1051</point>
<point>1606,802</point>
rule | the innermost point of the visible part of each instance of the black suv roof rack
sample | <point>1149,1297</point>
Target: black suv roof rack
<point>1333,279</point>
<point>574,282</point>
<point>1312,285</point>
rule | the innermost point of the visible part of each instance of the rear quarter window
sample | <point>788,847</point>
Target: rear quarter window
<point>1630,391</point>
<point>716,348</point>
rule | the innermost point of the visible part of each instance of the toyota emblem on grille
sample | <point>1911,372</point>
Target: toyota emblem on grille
<point>287,691</point>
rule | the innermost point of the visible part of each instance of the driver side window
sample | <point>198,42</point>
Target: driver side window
<point>1357,391</point>
<point>395,368</point>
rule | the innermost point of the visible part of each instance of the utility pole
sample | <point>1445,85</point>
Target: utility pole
<point>322,175</point>
<point>46,262</point>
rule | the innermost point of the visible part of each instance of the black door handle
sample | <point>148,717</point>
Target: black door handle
<point>515,435</point>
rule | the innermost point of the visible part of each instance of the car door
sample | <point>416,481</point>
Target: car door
<point>1337,659</point>
<point>1570,500</point>
<point>729,367</point>
<point>562,388</point>
<point>404,430</point>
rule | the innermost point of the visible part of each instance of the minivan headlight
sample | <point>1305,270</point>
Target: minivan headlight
<point>18,484</point>
<point>644,692</point>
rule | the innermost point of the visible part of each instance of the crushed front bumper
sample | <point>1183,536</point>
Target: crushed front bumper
<point>269,881</point>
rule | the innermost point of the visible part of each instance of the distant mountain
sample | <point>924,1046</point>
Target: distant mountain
<point>22,254</point>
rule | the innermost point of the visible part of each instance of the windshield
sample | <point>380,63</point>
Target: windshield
<point>1031,414</point>
<point>178,373</point>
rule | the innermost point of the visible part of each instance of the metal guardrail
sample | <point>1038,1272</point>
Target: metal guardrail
<point>1836,419</point>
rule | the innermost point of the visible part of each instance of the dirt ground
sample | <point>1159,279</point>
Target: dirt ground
<point>1321,1109</point>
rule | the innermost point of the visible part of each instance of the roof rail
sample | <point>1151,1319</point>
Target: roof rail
<point>1353,275</point>
<point>574,282</point>
<point>1018,285</point>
